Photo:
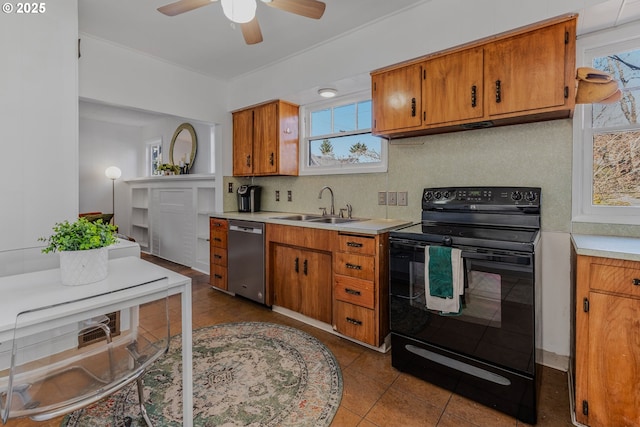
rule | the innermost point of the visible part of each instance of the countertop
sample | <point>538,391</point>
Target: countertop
<point>627,248</point>
<point>366,226</point>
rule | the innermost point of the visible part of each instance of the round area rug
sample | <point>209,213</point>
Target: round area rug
<point>245,374</point>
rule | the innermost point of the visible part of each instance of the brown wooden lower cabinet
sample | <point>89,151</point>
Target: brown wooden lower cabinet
<point>607,342</point>
<point>334,277</point>
<point>218,233</point>
<point>302,282</point>
<point>355,321</point>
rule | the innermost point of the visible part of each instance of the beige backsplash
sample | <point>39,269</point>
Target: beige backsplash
<point>537,155</point>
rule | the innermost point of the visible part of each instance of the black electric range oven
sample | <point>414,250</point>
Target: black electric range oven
<point>486,351</point>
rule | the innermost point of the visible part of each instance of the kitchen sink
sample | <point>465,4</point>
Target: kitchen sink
<point>318,218</point>
<point>334,220</point>
<point>301,217</point>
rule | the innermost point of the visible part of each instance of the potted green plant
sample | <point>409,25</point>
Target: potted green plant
<point>169,169</point>
<point>83,249</point>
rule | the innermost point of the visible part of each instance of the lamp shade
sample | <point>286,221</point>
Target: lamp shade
<point>239,11</point>
<point>113,172</point>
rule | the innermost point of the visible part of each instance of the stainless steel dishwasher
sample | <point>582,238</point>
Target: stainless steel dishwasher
<point>245,259</point>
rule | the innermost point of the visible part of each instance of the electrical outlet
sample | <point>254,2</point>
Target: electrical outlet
<point>402,198</point>
<point>277,195</point>
<point>382,197</point>
<point>392,198</point>
<point>289,196</point>
<point>230,187</point>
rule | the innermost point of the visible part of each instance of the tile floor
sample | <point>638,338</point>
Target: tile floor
<point>375,394</point>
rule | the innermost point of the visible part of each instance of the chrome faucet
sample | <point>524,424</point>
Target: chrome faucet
<point>326,187</point>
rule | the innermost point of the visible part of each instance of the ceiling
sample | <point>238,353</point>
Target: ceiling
<point>203,40</point>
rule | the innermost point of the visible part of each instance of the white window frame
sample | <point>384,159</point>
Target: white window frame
<point>148,147</point>
<point>626,37</point>
<point>305,119</point>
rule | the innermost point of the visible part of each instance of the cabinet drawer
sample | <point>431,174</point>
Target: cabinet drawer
<point>615,279</point>
<point>219,238</point>
<point>355,321</point>
<point>218,224</point>
<point>218,277</point>
<point>357,244</point>
<point>354,291</point>
<point>359,266</point>
<point>219,256</point>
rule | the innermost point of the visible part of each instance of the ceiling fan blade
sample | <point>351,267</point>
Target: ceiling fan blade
<point>309,8</point>
<point>183,6</point>
<point>251,32</point>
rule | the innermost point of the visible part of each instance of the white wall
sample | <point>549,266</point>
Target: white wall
<point>102,145</point>
<point>121,77</point>
<point>39,122</point>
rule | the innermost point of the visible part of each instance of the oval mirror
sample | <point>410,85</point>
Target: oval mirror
<point>183,147</point>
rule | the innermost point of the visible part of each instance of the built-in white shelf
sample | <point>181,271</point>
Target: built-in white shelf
<point>170,217</point>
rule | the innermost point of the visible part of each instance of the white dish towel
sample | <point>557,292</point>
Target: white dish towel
<point>446,305</point>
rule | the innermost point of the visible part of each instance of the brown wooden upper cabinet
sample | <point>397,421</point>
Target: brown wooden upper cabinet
<point>265,139</point>
<point>522,76</point>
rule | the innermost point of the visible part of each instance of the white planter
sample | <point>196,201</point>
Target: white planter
<point>83,267</point>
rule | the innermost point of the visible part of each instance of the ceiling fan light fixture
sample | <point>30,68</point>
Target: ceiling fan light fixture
<point>327,92</point>
<point>239,11</point>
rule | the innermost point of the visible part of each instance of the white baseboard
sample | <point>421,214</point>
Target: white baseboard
<point>552,360</point>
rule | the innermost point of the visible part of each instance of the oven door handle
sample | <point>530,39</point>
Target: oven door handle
<point>418,247</point>
<point>511,259</point>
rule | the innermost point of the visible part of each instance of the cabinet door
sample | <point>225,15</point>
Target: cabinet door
<point>265,139</point>
<point>526,72</point>
<point>614,361</point>
<point>243,143</point>
<point>397,99</point>
<point>315,284</point>
<point>286,285</point>
<point>453,87</point>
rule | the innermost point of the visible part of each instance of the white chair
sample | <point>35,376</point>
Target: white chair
<point>49,371</point>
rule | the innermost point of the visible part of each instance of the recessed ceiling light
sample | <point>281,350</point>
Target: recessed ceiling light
<point>327,92</point>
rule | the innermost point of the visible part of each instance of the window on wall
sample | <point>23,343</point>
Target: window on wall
<point>154,157</point>
<point>337,138</point>
<point>607,136</point>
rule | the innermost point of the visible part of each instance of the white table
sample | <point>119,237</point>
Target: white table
<point>22,292</point>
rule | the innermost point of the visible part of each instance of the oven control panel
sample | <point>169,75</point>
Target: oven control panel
<point>477,198</point>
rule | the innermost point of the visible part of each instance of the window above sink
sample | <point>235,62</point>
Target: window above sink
<point>336,138</point>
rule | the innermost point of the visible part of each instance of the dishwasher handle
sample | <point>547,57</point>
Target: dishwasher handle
<point>243,229</point>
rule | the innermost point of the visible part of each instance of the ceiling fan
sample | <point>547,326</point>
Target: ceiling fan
<point>243,12</point>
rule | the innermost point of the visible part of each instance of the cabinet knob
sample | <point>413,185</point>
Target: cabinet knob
<point>413,107</point>
<point>636,282</point>
<point>352,291</point>
<point>498,91</point>
<point>354,244</point>
<point>249,160</point>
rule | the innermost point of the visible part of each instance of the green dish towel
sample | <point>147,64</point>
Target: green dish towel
<point>440,272</point>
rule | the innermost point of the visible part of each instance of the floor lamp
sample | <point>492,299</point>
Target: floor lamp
<point>113,173</point>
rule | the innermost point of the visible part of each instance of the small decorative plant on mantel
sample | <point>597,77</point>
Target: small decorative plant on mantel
<point>83,249</point>
<point>169,169</point>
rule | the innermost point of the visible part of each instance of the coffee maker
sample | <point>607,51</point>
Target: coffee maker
<point>249,198</point>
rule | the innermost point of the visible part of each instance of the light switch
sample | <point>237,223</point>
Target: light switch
<point>382,197</point>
